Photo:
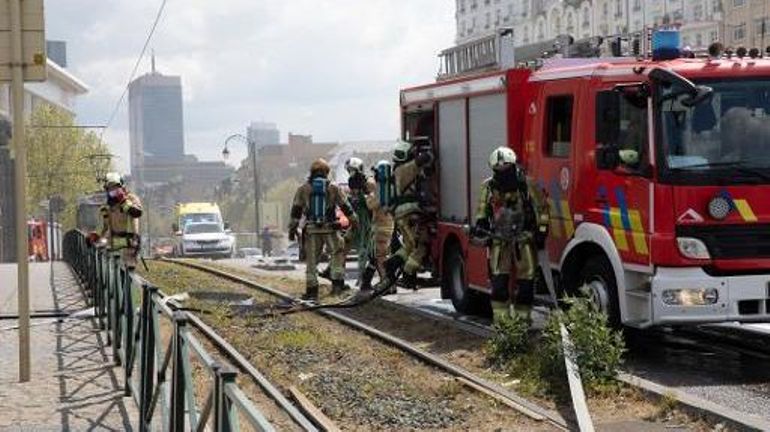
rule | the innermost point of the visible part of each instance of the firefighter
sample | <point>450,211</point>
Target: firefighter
<point>357,235</point>
<point>317,200</point>
<point>121,220</point>
<point>512,217</point>
<point>379,196</point>
<point>411,164</point>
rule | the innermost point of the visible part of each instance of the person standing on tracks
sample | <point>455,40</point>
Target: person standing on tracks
<point>512,218</point>
<point>380,192</point>
<point>357,235</point>
<point>121,220</point>
<point>411,165</point>
<point>316,200</point>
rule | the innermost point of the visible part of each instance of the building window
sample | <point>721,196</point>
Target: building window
<point>714,36</point>
<point>761,27</point>
<point>474,4</point>
<point>488,20</point>
<point>739,32</point>
<point>698,12</point>
<point>497,17</point>
<point>698,40</point>
<point>461,6</point>
<point>618,9</point>
<point>559,126</point>
<point>586,15</point>
<point>738,3</point>
<point>605,10</point>
<point>637,5</point>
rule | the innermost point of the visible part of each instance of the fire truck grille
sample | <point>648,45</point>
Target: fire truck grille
<point>732,241</point>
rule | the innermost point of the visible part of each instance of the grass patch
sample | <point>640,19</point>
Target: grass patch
<point>537,362</point>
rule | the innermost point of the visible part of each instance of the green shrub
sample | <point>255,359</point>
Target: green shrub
<point>598,348</point>
<point>509,340</point>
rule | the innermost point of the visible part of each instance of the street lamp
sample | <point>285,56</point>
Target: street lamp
<point>253,149</point>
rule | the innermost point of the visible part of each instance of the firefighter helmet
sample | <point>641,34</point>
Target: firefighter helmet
<point>320,166</point>
<point>402,151</point>
<point>354,164</point>
<point>113,179</point>
<point>502,157</point>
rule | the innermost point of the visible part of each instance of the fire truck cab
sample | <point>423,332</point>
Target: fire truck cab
<point>657,175</point>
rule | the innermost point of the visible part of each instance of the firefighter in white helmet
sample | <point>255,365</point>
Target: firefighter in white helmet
<point>358,234</point>
<point>121,220</point>
<point>512,217</point>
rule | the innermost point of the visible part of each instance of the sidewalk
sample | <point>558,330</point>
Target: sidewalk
<point>74,384</point>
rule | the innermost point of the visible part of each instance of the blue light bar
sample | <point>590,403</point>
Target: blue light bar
<point>666,45</point>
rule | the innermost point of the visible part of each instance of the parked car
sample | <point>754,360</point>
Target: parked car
<point>206,240</point>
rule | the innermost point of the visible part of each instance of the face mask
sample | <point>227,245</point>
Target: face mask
<point>506,180</point>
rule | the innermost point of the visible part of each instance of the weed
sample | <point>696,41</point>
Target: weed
<point>509,340</point>
<point>666,406</point>
<point>598,349</point>
<point>296,338</point>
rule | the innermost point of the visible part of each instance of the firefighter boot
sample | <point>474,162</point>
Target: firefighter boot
<point>392,267</point>
<point>311,293</point>
<point>366,278</point>
<point>339,287</point>
<point>408,281</point>
<point>525,295</point>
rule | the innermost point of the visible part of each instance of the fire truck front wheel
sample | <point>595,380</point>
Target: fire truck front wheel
<point>597,280</point>
<point>465,299</point>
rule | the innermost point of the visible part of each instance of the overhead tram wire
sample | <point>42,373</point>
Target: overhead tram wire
<point>136,67</point>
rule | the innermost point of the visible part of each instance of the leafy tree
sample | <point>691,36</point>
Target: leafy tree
<point>58,161</point>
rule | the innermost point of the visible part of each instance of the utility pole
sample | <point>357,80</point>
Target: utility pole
<point>253,148</point>
<point>20,156</point>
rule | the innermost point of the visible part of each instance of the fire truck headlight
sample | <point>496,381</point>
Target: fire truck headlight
<point>692,248</point>
<point>691,297</point>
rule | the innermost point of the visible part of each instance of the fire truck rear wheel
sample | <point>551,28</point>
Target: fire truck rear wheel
<point>598,277</point>
<point>465,299</point>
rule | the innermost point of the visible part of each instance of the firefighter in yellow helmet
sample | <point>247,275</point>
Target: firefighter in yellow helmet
<point>121,220</point>
<point>316,201</point>
<point>409,212</point>
<point>512,216</point>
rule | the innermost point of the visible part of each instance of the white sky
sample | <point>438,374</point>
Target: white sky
<point>330,68</point>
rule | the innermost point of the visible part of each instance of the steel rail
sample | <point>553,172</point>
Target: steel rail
<point>522,405</point>
<point>241,362</point>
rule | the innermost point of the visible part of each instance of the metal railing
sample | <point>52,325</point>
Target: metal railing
<point>165,374</point>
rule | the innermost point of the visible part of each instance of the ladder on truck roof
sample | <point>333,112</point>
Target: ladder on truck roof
<point>492,52</point>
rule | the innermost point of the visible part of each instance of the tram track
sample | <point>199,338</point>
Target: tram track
<point>482,386</point>
<point>700,340</point>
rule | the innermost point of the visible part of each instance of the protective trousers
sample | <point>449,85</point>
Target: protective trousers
<point>414,236</point>
<point>314,247</point>
<point>381,238</point>
<point>502,254</point>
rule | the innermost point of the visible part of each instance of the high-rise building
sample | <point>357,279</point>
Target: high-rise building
<point>263,134</point>
<point>156,124</point>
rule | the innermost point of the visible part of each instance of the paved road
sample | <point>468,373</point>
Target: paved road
<point>74,385</point>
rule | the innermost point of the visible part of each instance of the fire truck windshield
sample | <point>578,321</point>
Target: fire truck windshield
<point>726,135</point>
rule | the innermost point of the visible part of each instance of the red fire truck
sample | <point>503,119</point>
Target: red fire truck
<point>657,174</point>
